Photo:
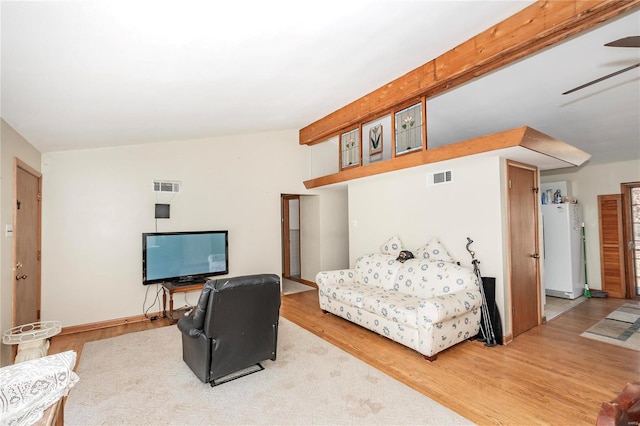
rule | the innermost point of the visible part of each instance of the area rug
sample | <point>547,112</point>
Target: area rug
<point>621,327</point>
<point>140,379</point>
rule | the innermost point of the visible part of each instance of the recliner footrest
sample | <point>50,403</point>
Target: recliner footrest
<point>240,373</point>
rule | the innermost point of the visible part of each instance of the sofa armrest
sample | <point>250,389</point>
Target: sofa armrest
<point>325,278</point>
<point>440,308</point>
<point>28,388</point>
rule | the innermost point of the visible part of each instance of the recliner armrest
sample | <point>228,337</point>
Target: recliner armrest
<point>186,326</point>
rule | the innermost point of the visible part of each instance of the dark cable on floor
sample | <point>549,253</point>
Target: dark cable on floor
<point>157,300</point>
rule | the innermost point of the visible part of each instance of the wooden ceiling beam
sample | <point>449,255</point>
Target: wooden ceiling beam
<point>536,27</point>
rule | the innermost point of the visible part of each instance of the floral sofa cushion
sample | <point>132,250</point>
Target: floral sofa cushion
<point>429,279</point>
<point>399,307</point>
<point>377,269</point>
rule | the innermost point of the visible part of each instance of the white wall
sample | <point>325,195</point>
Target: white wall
<point>400,203</point>
<point>310,247</point>
<point>334,228</point>
<point>587,183</point>
<point>12,145</point>
<point>98,202</point>
<point>325,233</point>
<point>324,158</point>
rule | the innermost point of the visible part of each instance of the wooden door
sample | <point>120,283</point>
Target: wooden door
<point>523,247</point>
<point>611,245</point>
<point>26,245</point>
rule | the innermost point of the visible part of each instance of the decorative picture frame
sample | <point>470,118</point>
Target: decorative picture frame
<point>408,129</point>
<point>375,140</point>
<point>350,149</point>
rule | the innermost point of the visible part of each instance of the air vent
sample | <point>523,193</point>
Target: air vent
<point>439,177</point>
<point>166,186</point>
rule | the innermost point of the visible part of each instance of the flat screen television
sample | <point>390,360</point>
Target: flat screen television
<point>184,257</point>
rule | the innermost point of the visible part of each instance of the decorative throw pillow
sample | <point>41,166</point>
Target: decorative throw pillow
<point>392,246</point>
<point>434,250</point>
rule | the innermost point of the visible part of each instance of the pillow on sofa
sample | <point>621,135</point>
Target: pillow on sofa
<point>30,387</point>
<point>434,250</point>
<point>392,246</point>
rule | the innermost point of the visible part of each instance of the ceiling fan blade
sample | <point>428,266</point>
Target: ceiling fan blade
<point>598,80</point>
<point>632,41</point>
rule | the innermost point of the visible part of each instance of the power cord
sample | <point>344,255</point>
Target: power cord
<point>157,300</point>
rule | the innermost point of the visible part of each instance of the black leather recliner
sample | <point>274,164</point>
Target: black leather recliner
<point>234,326</point>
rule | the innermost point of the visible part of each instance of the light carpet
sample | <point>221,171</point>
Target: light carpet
<point>621,327</point>
<point>140,379</point>
<point>292,287</point>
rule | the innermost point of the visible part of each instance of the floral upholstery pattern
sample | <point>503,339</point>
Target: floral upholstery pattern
<point>423,304</point>
<point>377,270</point>
<point>393,246</point>
<point>434,250</point>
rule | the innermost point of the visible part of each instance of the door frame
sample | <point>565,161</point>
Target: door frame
<point>629,269</point>
<point>19,164</point>
<point>286,247</point>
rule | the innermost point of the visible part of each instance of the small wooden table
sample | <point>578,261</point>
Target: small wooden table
<point>171,289</point>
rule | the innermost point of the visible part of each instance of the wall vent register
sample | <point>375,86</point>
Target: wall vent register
<point>439,177</point>
<point>166,186</point>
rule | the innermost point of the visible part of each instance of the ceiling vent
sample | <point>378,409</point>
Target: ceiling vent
<point>439,177</point>
<point>166,186</point>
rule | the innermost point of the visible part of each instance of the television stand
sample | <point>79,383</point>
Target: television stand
<point>171,288</point>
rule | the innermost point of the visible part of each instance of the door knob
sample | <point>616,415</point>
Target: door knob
<point>535,256</point>
<point>20,277</point>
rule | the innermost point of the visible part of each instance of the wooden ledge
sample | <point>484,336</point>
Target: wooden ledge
<point>524,137</point>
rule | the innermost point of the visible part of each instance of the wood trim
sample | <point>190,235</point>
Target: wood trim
<point>552,147</point>
<point>522,136</point>
<point>24,166</point>
<point>106,324</point>
<point>286,247</point>
<point>534,28</point>
<point>309,283</point>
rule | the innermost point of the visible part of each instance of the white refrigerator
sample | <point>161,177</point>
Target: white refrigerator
<point>563,250</point>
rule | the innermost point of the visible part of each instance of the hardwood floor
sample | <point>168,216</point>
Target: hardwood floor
<point>548,375</point>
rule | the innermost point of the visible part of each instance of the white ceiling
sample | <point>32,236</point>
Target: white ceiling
<point>88,74</point>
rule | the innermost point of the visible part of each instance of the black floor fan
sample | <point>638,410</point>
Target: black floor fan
<point>490,321</point>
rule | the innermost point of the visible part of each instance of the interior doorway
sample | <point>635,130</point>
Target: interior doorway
<point>291,267</point>
<point>26,244</point>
